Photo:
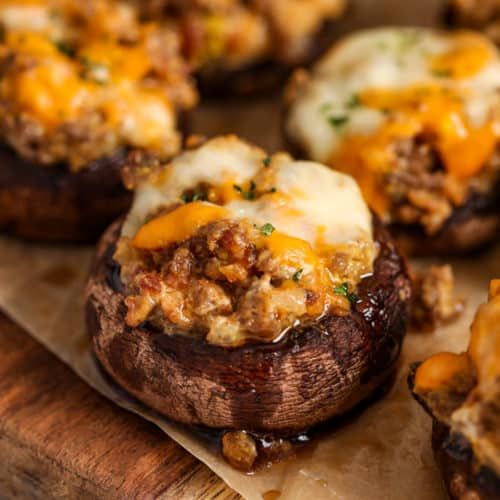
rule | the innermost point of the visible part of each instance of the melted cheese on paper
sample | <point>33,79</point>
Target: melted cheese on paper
<point>308,201</point>
<point>381,85</point>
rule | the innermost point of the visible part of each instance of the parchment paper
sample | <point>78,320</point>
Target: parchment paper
<point>383,454</point>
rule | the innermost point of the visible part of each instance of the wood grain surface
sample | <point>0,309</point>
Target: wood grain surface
<point>60,439</point>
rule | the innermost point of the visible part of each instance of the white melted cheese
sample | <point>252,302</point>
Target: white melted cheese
<point>389,59</point>
<point>26,17</point>
<point>311,201</point>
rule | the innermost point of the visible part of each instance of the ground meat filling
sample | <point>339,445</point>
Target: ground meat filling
<point>236,33</point>
<point>422,192</point>
<point>223,285</point>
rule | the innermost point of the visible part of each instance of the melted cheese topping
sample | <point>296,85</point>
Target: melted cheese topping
<point>311,208</point>
<point>484,347</point>
<point>388,84</point>
<point>178,225</point>
<point>440,370</point>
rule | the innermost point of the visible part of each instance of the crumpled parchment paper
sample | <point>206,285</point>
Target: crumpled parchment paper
<point>384,453</point>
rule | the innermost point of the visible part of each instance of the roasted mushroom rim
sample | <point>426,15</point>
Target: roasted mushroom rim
<point>281,380</point>
<point>462,393</point>
<point>412,114</point>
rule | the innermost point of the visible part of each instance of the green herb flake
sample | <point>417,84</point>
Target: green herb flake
<point>248,195</point>
<point>408,39</point>
<point>353,102</point>
<point>297,275</point>
<point>343,290</point>
<point>64,47</point>
<point>266,161</point>
<point>92,70</point>
<point>267,229</point>
<point>325,108</point>
<point>442,73</point>
<point>190,197</point>
<point>338,121</point>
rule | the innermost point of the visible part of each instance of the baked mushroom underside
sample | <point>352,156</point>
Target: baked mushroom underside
<point>315,372</point>
<point>50,203</point>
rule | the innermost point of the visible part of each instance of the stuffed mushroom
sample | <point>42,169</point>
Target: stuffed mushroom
<point>81,83</point>
<point>413,115</point>
<point>247,293</point>
<point>247,46</point>
<point>462,394</point>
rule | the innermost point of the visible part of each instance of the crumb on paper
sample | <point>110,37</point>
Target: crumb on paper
<point>434,300</point>
<point>239,449</point>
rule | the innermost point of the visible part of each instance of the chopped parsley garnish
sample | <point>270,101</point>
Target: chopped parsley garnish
<point>325,107</point>
<point>248,195</point>
<point>343,290</point>
<point>266,161</point>
<point>442,73</point>
<point>267,229</point>
<point>338,121</point>
<point>94,71</point>
<point>190,197</point>
<point>273,190</point>
<point>408,39</point>
<point>353,102</point>
<point>334,120</point>
<point>64,47</point>
<point>297,275</point>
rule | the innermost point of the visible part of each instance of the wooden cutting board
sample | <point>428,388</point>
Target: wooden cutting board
<point>60,439</point>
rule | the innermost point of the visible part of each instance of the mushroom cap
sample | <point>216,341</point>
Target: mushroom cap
<point>50,203</point>
<point>315,372</point>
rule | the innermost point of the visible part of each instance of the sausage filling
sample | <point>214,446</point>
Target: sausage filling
<point>423,193</point>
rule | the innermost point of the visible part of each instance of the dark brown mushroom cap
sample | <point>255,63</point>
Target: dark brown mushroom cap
<point>463,477</point>
<point>317,371</point>
<point>50,203</point>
